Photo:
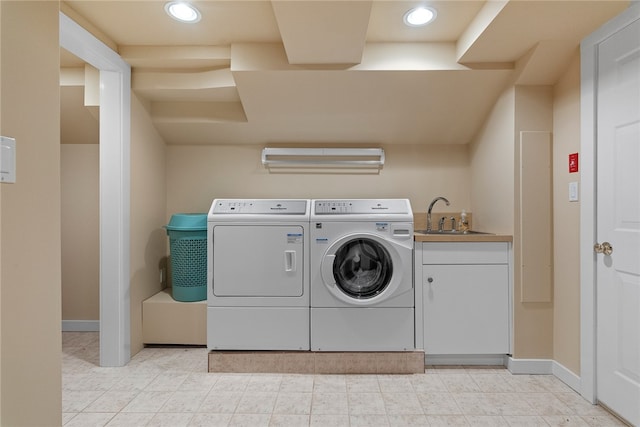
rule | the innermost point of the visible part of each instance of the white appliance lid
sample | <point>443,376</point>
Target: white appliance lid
<point>259,207</point>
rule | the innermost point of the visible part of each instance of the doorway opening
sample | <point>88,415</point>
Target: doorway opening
<point>114,184</point>
<point>80,189</point>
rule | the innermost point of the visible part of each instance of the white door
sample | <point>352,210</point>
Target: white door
<point>258,261</point>
<point>618,223</point>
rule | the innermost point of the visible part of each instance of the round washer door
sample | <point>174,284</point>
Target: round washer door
<point>361,269</point>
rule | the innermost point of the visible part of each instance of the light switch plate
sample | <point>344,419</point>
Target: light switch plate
<point>573,191</point>
<point>7,160</point>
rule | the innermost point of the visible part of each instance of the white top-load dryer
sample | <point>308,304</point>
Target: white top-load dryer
<point>257,275</point>
<point>362,296</point>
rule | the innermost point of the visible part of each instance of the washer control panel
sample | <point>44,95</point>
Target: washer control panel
<point>333,207</point>
<point>362,206</point>
<point>260,207</point>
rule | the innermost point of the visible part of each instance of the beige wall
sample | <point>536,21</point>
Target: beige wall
<point>492,168</point>
<point>494,195</point>
<point>80,182</point>
<point>30,228</point>
<point>148,207</point>
<point>198,174</point>
<point>566,130</point>
<point>533,322</point>
<point>1,368</point>
<point>80,223</point>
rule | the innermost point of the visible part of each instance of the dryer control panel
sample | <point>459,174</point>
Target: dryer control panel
<point>260,207</point>
<point>362,207</point>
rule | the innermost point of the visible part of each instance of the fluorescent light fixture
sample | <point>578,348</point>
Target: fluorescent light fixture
<point>182,11</point>
<point>419,16</point>
<point>323,158</point>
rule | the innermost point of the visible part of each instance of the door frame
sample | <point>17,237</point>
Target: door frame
<point>588,207</point>
<point>115,136</point>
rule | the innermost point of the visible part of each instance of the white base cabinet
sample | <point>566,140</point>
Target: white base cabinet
<point>463,289</point>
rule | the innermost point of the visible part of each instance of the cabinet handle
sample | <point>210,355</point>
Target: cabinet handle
<point>430,279</point>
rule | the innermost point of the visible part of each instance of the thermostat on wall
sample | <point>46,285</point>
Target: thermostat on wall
<point>7,160</point>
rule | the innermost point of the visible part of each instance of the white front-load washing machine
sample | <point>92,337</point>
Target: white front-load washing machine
<point>362,296</point>
<point>257,275</point>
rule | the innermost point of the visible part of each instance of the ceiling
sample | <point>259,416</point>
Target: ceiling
<point>328,72</point>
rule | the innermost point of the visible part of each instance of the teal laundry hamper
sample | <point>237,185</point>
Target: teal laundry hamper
<point>188,246</point>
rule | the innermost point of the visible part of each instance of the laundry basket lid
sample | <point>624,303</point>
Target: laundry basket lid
<point>188,222</point>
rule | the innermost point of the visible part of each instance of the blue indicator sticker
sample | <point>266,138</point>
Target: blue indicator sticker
<point>382,226</point>
<point>322,240</point>
<point>294,237</point>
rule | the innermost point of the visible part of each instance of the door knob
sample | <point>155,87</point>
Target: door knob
<point>604,248</point>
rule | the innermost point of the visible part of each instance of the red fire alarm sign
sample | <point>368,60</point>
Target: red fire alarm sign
<point>573,162</point>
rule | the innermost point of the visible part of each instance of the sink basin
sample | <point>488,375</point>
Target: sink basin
<point>449,232</point>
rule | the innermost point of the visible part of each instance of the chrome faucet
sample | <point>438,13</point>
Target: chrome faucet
<point>433,202</point>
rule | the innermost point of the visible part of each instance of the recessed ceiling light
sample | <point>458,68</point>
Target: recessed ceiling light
<point>182,11</point>
<point>419,16</point>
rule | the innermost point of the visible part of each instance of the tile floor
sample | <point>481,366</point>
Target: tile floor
<point>171,387</point>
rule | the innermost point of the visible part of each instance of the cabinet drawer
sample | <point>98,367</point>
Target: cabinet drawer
<point>465,253</point>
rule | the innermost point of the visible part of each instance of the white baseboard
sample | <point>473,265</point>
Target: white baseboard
<point>80,325</point>
<point>566,376</point>
<point>465,359</point>
<point>544,367</point>
<point>530,366</point>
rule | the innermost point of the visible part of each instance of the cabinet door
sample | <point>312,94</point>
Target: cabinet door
<point>466,309</point>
